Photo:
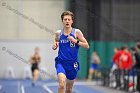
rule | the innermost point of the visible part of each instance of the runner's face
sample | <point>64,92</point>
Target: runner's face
<point>37,51</point>
<point>67,21</point>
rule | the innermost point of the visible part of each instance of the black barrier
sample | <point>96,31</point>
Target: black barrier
<point>105,76</point>
<point>138,80</point>
<point>125,80</point>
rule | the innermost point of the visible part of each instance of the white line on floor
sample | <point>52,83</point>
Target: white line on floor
<point>22,89</point>
<point>47,89</point>
<point>0,87</point>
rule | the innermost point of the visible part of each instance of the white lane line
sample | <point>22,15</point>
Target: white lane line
<point>47,89</point>
<point>22,89</point>
<point>0,87</point>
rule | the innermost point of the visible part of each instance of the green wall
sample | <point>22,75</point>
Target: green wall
<point>105,52</point>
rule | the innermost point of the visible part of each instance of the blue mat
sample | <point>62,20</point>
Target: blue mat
<point>14,86</point>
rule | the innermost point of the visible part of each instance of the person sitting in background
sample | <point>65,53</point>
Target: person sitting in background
<point>123,59</point>
<point>95,60</point>
<point>114,67</point>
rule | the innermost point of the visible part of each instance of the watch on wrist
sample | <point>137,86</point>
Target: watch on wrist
<point>77,42</point>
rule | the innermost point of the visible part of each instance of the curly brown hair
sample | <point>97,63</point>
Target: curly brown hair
<point>67,13</point>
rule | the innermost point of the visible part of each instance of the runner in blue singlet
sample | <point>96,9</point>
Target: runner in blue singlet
<point>68,40</point>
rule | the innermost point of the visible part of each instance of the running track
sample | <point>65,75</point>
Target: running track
<point>49,86</point>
